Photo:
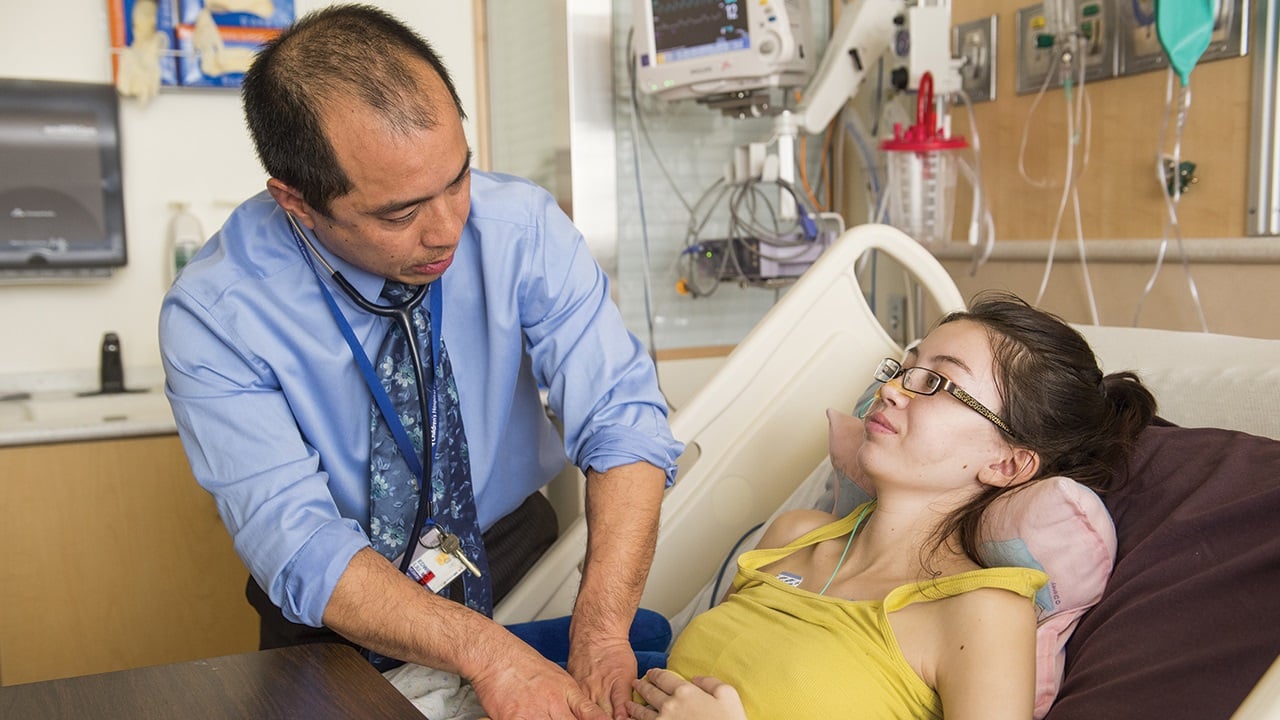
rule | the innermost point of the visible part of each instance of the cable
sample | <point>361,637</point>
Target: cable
<point>752,220</point>
<point>802,161</point>
<point>644,226</point>
<point>851,127</point>
<point>733,552</point>
<point>637,119</point>
<point>837,174</point>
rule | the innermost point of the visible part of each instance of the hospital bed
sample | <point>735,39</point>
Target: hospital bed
<point>756,438</point>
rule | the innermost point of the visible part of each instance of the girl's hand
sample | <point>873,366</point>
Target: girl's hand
<point>671,697</point>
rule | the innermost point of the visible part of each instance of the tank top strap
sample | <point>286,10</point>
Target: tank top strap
<point>1023,581</point>
<point>755,559</point>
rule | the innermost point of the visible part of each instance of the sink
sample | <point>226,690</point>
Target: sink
<point>65,410</point>
<point>14,412</point>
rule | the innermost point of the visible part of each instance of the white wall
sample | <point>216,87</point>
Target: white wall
<point>186,145</point>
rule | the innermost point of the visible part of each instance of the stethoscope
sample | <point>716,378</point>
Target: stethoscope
<point>402,314</point>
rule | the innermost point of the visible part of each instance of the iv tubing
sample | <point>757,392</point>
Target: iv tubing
<point>1070,188</point>
<point>1026,127</point>
<point>980,217</point>
<point>1171,200</point>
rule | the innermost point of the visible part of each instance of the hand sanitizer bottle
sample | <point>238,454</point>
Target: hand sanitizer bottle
<point>185,238</point>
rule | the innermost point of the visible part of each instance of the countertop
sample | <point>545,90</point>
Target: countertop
<point>41,408</point>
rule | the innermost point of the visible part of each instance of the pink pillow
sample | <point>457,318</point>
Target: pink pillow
<point>1055,525</point>
<point>1061,527</point>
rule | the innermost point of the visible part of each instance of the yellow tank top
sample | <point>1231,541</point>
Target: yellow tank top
<point>793,654</point>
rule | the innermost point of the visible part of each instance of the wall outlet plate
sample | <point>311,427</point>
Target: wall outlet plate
<point>975,41</point>
<point>1095,20</point>
<point>1140,49</point>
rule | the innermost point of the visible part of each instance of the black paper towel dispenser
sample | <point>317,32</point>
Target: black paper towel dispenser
<point>61,199</point>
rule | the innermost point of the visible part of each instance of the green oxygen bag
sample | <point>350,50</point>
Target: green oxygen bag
<point>1185,28</point>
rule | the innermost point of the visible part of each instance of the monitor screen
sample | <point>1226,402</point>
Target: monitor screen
<point>714,48</point>
<point>61,203</point>
<point>685,29</point>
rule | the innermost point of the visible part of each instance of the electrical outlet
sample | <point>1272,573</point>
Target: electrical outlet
<point>1095,38</point>
<point>1139,45</point>
<point>975,42</point>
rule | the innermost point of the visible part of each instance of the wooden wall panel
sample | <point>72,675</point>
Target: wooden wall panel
<point>1119,193</point>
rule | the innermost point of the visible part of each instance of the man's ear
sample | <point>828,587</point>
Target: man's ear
<point>1015,466</point>
<point>292,202</point>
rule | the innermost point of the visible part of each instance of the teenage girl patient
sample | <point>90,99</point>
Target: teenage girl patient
<point>888,612</point>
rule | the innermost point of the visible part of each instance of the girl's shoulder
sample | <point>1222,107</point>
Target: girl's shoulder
<point>793,524</point>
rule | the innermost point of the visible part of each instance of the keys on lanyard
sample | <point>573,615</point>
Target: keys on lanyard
<point>450,543</point>
<point>438,559</point>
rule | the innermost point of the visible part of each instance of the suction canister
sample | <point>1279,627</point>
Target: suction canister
<point>922,173</point>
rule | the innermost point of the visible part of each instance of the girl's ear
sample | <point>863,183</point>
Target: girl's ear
<point>1015,467</point>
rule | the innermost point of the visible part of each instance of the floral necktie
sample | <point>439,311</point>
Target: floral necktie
<point>393,489</point>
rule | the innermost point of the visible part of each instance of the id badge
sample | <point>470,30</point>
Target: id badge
<point>432,567</point>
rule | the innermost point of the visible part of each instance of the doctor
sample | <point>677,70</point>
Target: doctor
<point>264,334</point>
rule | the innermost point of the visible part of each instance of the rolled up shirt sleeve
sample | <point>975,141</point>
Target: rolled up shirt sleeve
<point>246,449</point>
<point>600,379</point>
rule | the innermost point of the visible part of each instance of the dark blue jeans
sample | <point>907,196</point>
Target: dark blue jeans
<point>650,635</point>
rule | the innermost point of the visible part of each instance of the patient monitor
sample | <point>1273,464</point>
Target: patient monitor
<point>711,49</point>
<point>708,48</point>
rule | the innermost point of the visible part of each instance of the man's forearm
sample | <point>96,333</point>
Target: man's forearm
<point>622,508</point>
<point>381,609</point>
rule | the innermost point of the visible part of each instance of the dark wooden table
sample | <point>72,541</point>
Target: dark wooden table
<point>311,682</point>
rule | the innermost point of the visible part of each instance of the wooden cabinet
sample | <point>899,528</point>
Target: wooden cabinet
<point>112,557</point>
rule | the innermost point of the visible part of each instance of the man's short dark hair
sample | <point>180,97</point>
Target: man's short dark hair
<point>341,53</point>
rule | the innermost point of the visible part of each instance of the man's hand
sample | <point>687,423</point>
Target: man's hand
<point>526,686</point>
<point>671,697</point>
<point>382,609</point>
<point>605,670</point>
<point>622,520</point>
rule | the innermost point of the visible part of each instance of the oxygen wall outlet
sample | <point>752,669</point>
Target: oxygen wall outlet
<point>975,43</point>
<point>1092,41</point>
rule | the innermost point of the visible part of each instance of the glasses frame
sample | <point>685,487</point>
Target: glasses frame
<point>890,370</point>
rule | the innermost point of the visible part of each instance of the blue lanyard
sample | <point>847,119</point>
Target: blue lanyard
<point>379,393</point>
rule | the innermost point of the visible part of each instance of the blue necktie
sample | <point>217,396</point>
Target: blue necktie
<point>393,489</point>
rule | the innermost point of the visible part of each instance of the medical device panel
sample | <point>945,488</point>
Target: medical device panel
<point>701,48</point>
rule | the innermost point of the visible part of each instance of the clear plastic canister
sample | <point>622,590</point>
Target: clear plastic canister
<point>921,193</point>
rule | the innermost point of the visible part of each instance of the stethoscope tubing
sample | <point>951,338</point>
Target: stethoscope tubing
<point>402,314</point>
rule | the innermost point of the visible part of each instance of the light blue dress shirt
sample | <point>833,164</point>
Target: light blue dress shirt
<point>274,414</point>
